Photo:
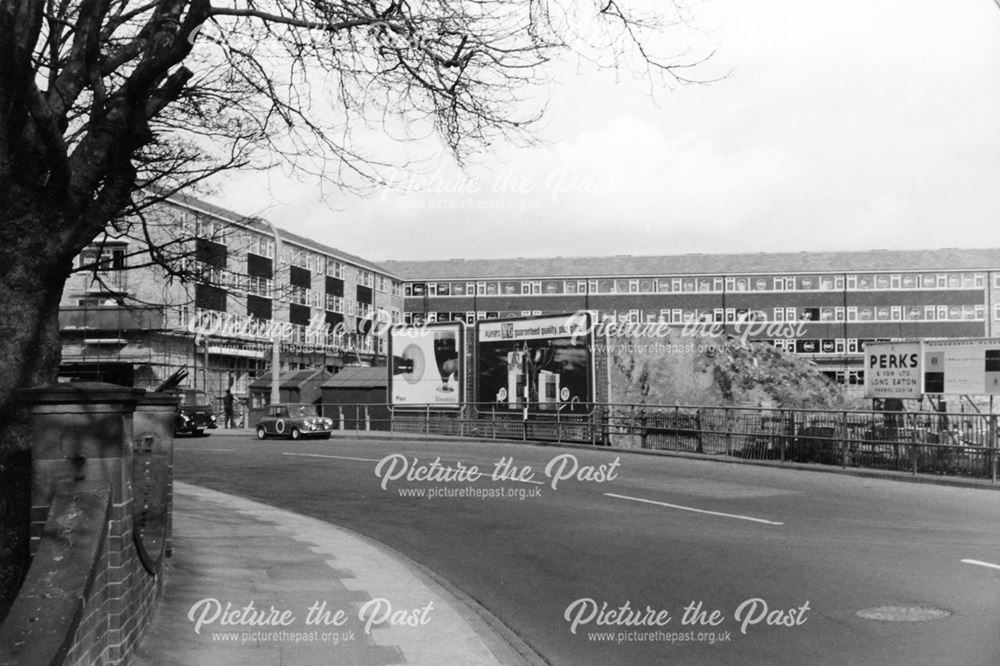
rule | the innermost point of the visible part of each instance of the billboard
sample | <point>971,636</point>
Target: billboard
<point>538,364</point>
<point>427,365</point>
<point>893,370</point>
<point>962,367</point>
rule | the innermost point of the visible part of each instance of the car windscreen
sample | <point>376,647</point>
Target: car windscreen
<point>306,410</point>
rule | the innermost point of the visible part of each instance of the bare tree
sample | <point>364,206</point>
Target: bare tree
<point>106,103</point>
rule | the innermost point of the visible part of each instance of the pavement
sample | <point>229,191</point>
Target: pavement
<point>251,584</point>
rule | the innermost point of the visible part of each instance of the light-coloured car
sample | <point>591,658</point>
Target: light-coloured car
<point>294,422</point>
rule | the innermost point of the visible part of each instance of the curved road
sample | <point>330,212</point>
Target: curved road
<point>653,560</point>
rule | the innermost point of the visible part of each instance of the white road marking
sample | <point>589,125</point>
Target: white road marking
<point>201,449</point>
<point>320,455</point>
<point>688,508</point>
<point>980,563</point>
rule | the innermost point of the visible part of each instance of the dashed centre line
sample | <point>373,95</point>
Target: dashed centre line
<point>320,455</point>
<point>980,563</point>
<point>200,448</point>
<point>693,509</point>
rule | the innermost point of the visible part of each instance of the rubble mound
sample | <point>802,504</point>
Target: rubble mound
<point>715,370</point>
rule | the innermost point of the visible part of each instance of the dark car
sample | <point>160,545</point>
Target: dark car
<point>293,421</point>
<point>195,413</point>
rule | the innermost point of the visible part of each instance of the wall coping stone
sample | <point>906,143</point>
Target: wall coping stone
<point>42,623</point>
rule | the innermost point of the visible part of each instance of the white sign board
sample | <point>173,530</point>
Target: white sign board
<point>962,367</point>
<point>428,365</point>
<point>893,370</point>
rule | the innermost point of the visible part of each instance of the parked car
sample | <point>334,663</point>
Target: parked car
<point>293,421</point>
<point>195,413</point>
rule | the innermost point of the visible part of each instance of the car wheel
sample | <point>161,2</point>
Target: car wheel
<point>327,436</point>
<point>261,433</point>
<point>296,433</point>
<point>198,433</point>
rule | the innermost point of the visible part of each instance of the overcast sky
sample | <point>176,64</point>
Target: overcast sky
<point>856,124</point>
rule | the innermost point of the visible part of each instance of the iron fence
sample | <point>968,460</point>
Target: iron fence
<point>958,444</point>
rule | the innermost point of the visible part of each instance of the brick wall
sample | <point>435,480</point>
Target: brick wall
<point>92,584</point>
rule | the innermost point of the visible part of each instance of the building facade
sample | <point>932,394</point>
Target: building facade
<point>124,319</point>
<point>822,305</point>
<point>127,321</point>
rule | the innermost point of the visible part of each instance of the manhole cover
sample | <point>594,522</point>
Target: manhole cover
<point>903,613</point>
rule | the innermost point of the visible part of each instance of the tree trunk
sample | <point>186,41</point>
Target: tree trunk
<point>33,271</point>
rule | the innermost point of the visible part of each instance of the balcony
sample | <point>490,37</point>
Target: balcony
<point>110,319</point>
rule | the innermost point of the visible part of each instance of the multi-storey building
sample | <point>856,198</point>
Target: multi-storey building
<point>823,305</point>
<point>136,325</point>
<point>126,320</point>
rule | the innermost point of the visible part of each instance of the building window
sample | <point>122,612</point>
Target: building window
<point>104,258</point>
<point>335,303</point>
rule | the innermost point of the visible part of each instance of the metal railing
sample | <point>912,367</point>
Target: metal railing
<point>955,444</point>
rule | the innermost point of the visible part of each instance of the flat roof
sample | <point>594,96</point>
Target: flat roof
<point>872,261</point>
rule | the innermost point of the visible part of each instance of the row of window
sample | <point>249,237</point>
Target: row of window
<point>332,336</point>
<point>104,258</point>
<point>821,346</point>
<point>896,313</point>
<point>242,239</point>
<point>704,285</point>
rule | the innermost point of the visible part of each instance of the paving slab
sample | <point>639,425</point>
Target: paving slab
<point>252,584</point>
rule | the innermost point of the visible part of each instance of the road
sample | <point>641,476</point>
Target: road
<point>787,558</point>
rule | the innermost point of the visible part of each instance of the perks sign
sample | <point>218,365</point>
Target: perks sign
<point>892,370</point>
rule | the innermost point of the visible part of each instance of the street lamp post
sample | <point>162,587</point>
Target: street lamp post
<point>275,351</point>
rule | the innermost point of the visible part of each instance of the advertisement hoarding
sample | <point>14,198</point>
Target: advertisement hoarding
<point>538,364</point>
<point>893,370</point>
<point>962,367</point>
<point>427,365</point>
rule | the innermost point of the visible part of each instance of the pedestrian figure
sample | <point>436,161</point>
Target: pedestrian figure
<point>227,405</point>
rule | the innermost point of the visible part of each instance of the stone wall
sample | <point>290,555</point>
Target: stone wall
<point>100,524</point>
